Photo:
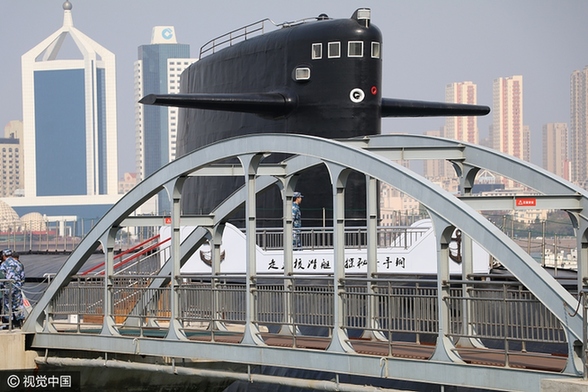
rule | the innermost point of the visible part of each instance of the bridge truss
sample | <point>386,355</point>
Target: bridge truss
<point>165,304</point>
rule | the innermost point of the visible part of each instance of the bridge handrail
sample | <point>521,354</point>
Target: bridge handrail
<point>393,293</point>
<point>6,314</point>
<point>124,264</point>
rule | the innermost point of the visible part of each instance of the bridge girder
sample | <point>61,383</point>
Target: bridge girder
<point>372,157</point>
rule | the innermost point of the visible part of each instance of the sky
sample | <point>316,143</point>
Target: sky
<point>427,44</point>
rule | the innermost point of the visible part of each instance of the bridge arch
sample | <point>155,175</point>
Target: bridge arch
<point>434,198</point>
<point>359,155</point>
<point>469,158</point>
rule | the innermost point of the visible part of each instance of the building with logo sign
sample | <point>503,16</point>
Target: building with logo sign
<point>157,71</point>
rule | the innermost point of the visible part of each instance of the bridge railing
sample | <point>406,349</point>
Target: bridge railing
<point>404,307</point>
<point>502,315</point>
<point>80,302</point>
<point>6,297</point>
<point>505,311</point>
<point>584,303</point>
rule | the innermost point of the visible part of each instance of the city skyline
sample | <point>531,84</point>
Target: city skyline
<point>426,46</point>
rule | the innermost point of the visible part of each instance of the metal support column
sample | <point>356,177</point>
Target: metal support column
<point>467,175</point>
<point>215,259</point>
<point>444,350</point>
<point>174,189</point>
<point>288,322</point>
<point>372,260</point>
<point>576,348</point>
<point>108,308</point>
<point>340,340</point>
<point>250,164</point>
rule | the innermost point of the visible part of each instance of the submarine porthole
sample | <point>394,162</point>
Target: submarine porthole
<point>334,50</point>
<point>356,95</point>
<point>302,73</point>
<point>375,50</point>
<point>355,49</point>
<point>317,51</point>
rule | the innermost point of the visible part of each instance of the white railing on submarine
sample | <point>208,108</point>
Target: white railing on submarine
<point>312,238</point>
<point>234,36</point>
<point>244,33</point>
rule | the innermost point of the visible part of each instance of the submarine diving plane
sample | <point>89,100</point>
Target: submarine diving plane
<point>318,76</point>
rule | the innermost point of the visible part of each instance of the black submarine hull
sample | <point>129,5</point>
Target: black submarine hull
<point>320,78</point>
<point>323,108</point>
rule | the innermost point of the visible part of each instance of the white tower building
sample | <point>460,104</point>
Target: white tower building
<point>69,117</point>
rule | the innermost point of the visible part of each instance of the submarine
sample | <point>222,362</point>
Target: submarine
<point>318,76</point>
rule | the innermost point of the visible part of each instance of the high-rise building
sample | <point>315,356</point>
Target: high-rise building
<point>11,162</point>
<point>433,169</point>
<point>555,149</point>
<point>68,147</point>
<point>508,135</point>
<point>579,126</point>
<point>157,71</point>
<point>526,143</point>
<point>462,128</point>
<point>69,116</point>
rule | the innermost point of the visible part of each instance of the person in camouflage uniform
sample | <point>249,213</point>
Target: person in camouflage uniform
<point>296,219</point>
<point>12,269</point>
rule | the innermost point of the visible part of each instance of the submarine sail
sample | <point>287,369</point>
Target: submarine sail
<point>319,77</point>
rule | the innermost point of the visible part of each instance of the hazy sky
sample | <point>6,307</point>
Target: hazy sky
<point>427,45</point>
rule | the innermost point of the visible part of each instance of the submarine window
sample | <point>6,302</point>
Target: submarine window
<point>334,49</point>
<point>317,51</point>
<point>375,50</point>
<point>302,73</point>
<point>355,49</point>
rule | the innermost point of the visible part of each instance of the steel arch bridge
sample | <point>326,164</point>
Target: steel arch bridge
<point>375,157</point>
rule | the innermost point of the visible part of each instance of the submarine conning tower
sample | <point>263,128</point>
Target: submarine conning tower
<point>318,76</point>
<point>328,71</point>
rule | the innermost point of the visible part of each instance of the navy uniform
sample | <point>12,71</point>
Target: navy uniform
<point>296,219</point>
<point>13,269</point>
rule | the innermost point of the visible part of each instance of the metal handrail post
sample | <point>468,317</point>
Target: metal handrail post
<point>584,332</point>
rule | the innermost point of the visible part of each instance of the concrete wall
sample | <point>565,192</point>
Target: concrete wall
<point>13,342</point>
<point>564,385</point>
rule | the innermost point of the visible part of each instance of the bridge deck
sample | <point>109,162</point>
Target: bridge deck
<point>529,360</point>
<point>420,351</point>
